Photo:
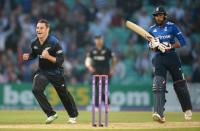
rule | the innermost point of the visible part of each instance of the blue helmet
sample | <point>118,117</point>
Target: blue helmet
<point>159,10</point>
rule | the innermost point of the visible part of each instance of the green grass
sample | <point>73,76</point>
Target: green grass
<point>14,117</point>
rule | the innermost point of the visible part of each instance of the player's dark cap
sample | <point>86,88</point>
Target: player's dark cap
<point>97,36</point>
<point>159,10</point>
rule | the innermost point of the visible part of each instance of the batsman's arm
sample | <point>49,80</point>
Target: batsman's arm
<point>145,34</point>
<point>179,36</point>
<point>176,45</point>
<point>165,46</point>
<point>154,43</point>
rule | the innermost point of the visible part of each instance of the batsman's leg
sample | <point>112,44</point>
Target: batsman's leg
<point>159,88</point>
<point>183,95</point>
<point>180,87</point>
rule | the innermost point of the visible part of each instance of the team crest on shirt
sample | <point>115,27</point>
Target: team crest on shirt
<point>154,30</point>
<point>35,47</point>
<point>103,51</point>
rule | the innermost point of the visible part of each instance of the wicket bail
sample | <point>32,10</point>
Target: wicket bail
<point>100,99</point>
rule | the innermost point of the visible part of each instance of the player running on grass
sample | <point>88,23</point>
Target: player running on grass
<point>168,60</point>
<point>51,58</point>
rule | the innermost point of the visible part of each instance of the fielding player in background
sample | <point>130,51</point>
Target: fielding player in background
<point>167,60</point>
<point>51,58</point>
<point>98,63</point>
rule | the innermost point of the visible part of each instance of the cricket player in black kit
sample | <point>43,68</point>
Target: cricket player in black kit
<point>51,58</point>
<point>166,59</point>
<point>98,63</point>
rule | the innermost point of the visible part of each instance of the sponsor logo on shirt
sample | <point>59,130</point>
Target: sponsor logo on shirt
<point>99,58</point>
<point>164,36</point>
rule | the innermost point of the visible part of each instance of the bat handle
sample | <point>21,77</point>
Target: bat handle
<point>149,38</point>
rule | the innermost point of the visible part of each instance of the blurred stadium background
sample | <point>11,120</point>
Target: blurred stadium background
<point>75,22</point>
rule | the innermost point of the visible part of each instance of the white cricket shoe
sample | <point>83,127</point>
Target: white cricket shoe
<point>50,119</point>
<point>72,120</point>
<point>188,115</point>
<point>157,117</point>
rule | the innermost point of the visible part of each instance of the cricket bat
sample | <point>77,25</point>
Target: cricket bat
<point>142,32</point>
<point>139,30</point>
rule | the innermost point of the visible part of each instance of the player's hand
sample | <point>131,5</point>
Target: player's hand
<point>91,69</point>
<point>45,54</point>
<point>154,43</point>
<point>25,56</point>
<point>111,72</point>
<point>164,46</point>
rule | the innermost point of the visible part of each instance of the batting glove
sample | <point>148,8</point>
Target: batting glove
<point>164,46</point>
<point>154,43</point>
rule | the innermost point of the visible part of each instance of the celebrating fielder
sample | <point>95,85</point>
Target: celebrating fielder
<point>51,58</point>
<point>166,59</point>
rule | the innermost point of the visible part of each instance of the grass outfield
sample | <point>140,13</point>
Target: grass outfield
<point>17,120</point>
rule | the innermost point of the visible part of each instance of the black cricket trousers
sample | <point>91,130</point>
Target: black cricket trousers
<point>168,62</point>
<point>41,80</point>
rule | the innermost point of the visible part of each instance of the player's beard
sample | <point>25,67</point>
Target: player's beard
<point>160,21</point>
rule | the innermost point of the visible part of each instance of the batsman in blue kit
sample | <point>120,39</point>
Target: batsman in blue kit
<point>166,59</point>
